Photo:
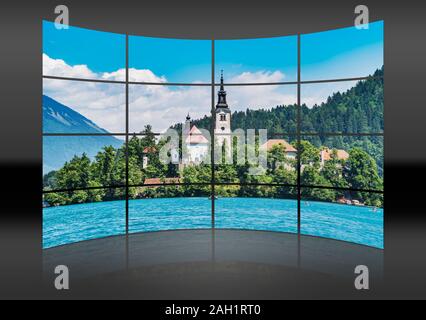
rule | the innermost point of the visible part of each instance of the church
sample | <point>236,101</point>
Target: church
<point>197,145</point>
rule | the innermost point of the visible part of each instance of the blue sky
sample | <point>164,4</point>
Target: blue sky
<point>178,60</point>
<point>100,51</point>
<point>257,55</point>
<point>83,53</point>
<point>342,53</point>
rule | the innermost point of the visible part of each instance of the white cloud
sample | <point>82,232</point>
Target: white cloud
<point>263,76</point>
<point>162,106</point>
<point>135,75</point>
<point>102,103</point>
<point>60,68</point>
<point>262,96</point>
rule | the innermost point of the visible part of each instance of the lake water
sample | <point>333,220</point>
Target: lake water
<point>72,223</point>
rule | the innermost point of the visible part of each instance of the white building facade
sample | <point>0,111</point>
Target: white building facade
<point>222,130</point>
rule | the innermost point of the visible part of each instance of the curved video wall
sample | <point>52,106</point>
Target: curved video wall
<point>277,134</point>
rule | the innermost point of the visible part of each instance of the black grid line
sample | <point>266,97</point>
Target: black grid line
<point>341,188</point>
<point>298,134</point>
<point>76,134</point>
<point>274,134</point>
<point>245,184</point>
<point>299,117</point>
<point>299,124</point>
<point>83,188</point>
<point>84,79</point>
<point>127,134</point>
<point>127,152</point>
<point>171,84</point>
<point>341,79</point>
<point>212,143</point>
<point>343,134</point>
<point>332,80</point>
<point>208,84</point>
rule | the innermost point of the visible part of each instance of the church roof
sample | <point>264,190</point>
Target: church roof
<point>149,150</point>
<point>195,137</point>
<point>161,180</point>
<point>221,95</point>
<point>273,142</point>
<point>327,153</point>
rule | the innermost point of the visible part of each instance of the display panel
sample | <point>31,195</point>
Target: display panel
<point>163,60</point>
<point>164,107</point>
<point>344,107</point>
<point>82,215</point>
<point>343,215</point>
<point>83,107</point>
<point>71,162</point>
<point>255,160</point>
<point>342,53</point>
<point>247,147</point>
<point>159,208</point>
<point>353,162</point>
<point>256,208</point>
<point>82,53</point>
<point>267,60</point>
<point>268,107</point>
<point>155,159</point>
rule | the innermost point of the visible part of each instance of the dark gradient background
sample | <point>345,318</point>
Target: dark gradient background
<point>20,115</point>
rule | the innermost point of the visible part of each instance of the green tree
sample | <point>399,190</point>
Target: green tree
<point>105,167</point>
<point>74,174</point>
<point>49,181</point>
<point>311,176</point>
<point>309,154</point>
<point>276,156</point>
<point>333,171</point>
<point>196,174</point>
<point>360,171</point>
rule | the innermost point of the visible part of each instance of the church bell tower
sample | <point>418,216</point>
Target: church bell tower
<point>223,121</point>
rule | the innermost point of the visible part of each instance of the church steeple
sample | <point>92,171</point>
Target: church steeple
<point>187,125</point>
<point>221,101</point>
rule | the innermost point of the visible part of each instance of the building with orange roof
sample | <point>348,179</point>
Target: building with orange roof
<point>290,151</point>
<point>149,150</point>
<point>151,181</point>
<point>326,154</point>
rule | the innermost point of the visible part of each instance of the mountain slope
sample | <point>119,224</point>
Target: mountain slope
<point>58,118</point>
<point>359,109</point>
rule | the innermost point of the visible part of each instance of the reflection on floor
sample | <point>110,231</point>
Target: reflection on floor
<point>207,264</point>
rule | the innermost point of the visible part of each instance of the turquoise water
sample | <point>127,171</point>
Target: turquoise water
<point>72,223</point>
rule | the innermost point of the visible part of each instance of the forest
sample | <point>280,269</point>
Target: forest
<point>108,169</point>
<point>358,110</point>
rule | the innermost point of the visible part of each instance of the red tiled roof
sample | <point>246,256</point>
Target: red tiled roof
<point>195,136</point>
<point>149,150</point>
<point>341,154</point>
<point>161,180</point>
<point>274,142</point>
